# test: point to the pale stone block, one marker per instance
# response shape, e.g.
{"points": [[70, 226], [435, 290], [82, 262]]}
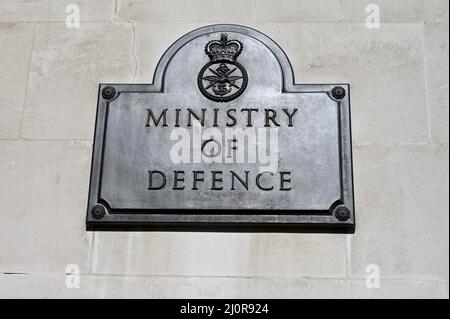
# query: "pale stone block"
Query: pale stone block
{"points": [[212, 287], [443, 290], [191, 10], [17, 40], [27, 286], [66, 69], [294, 288], [55, 10], [299, 11], [152, 40], [396, 289], [403, 11], [94, 286], [385, 69], [281, 11], [43, 191], [219, 254], [437, 11], [350, 10], [402, 209], [437, 74]]}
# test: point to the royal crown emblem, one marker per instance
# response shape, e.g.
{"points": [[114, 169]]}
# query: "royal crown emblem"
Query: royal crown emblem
{"points": [[223, 79]]}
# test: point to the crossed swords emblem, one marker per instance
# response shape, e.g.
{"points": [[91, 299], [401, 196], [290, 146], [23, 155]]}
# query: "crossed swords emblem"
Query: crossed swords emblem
{"points": [[222, 76]]}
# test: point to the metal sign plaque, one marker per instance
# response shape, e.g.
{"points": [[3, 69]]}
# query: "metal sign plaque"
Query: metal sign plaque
{"points": [[222, 136]]}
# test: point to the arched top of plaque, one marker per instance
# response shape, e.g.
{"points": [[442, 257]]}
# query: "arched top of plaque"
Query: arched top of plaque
{"points": [[207, 54]]}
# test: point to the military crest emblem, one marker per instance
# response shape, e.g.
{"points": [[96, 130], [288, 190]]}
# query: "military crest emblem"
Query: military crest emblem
{"points": [[223, 78]]}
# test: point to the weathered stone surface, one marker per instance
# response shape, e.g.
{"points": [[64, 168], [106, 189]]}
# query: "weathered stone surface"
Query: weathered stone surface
{"points": [[437, 11], [384, 67], [437, 74], [64, 79], [403, 222], [29, 286], [54, 10], [398, 289], [14, 68], [43, 189], [218, 254], [443, 289], [152, 40], [215, 287], [94, 286], [415, 11], [282, 11], [192, 10]]}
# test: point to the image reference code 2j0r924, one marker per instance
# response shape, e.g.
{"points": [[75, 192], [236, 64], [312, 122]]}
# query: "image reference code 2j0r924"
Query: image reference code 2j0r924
{"points": [[228, 309]]}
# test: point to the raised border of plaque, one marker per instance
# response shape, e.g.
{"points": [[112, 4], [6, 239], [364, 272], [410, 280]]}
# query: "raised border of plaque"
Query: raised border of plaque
{"points": [[339, 215]]}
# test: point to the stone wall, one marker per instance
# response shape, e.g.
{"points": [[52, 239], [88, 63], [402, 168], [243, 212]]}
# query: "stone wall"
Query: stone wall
{"points": [[49, 76]]}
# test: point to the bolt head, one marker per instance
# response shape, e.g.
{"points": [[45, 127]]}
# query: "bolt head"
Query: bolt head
{"points": [[98, 212], [342, 213], [108, 92], [338, 92]]}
